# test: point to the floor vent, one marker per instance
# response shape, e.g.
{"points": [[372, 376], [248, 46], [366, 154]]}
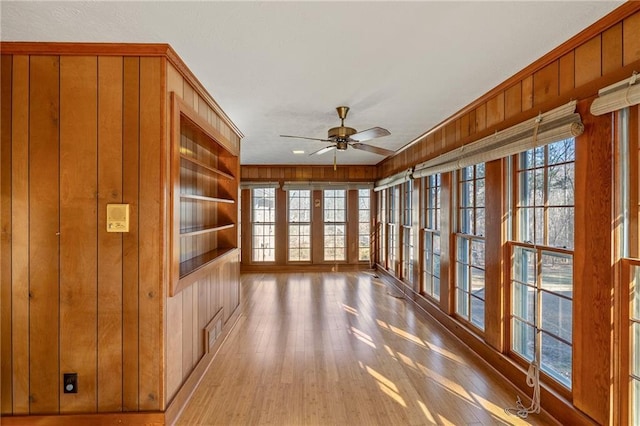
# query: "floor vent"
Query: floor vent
{"points": [[212, 331]]}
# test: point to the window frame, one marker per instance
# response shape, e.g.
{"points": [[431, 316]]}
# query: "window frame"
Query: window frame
{"points": [[431, 191], [271, 224], [467, 234], [366, 223], [299, 224], [335, 224]]}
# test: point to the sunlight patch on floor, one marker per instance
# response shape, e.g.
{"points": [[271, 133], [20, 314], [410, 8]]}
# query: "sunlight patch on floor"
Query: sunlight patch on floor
{"points": [[405, 335], [426, 412], [350, 310], [445, 353], [363, 337]]}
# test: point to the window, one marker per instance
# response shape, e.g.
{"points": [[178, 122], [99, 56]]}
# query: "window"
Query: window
{"points": [[263, 218], [335, 224], [470, 245], [542, 268], [382, 227], [364, 224], [407, 232], [394, 204], [299, 207], [431, 234]]}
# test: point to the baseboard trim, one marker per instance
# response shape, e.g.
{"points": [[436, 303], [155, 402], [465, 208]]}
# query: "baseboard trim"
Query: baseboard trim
{"points": [[97, 419]]}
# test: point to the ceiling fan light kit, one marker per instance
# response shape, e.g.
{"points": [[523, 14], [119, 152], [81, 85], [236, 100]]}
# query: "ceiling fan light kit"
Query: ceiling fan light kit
{"points": [[342, 137]]}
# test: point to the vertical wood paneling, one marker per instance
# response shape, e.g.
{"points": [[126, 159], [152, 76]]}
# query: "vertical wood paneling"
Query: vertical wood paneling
{"points": [[592, 266], [513, 100], [527, 93], [588, 61], [43, 234], [545, 84], [130, 272], [109, 244], [630, 40], [567, 72], [495, 110], [150, 304], [78, 227], [187, 332], [6, 402], [481, 117], [352, 226], [20, 337], [494, 216], [612, 49]]}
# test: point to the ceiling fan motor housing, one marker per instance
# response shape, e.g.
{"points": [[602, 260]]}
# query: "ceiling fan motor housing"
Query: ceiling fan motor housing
{"points": [[341, 133]]}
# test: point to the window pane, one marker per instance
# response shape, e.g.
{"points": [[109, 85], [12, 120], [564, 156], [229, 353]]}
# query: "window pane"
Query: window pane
{"points": [[561, 186], [462, 306], [477, 253], [561, 227], [522, 339], [557, 273], [462, 277], [524, 265], [523, 302], [463, 250], [562, 151], [556, 359], [556, 313], [635, 352], [477, 312]]}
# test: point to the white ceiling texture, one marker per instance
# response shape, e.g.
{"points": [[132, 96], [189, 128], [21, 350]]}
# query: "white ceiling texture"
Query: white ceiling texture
{"points": [[282, 67]]}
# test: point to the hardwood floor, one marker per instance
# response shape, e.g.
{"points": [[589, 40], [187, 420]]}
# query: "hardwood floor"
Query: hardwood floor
{"points": [[340, 349]]}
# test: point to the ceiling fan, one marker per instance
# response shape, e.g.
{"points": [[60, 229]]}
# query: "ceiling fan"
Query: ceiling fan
{"points": [[342, 137]]}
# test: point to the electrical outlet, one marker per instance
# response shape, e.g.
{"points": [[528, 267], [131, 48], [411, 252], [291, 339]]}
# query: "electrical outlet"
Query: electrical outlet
{"points": [[70, 383]]}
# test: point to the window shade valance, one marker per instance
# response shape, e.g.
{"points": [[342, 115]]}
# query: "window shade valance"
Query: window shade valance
{"points": [[393, 180], [319, 185], [620, 95], [251, 185], [555, 125]]}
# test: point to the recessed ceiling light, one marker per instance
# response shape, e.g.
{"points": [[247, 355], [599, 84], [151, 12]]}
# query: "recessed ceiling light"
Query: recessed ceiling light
{"points": [[297, 151]]}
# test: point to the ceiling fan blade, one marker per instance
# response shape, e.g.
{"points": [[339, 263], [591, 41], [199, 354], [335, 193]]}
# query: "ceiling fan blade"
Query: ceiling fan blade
{"points": [[365, 135], [323, 150], [371, 148], [303, 137]]}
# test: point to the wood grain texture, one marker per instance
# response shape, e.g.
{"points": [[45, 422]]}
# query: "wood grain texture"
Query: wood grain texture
{"points": [[567, 74], [495, 213], [6, 391], [123, 419], [44, 227], [78, 228], [545, 83], [110, 262], [612, 49], [446, 230], [150, 302], [495, 110], [361, 358], [588, 61], [630, 39], [592, 267], [512, 101], [130, 240], [20, 235]]}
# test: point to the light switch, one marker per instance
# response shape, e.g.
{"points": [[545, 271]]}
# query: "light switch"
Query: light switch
{"points": [[117, 217]]}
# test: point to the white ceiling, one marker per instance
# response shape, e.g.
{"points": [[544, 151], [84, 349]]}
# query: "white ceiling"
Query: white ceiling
{"points": [[282, 67]]}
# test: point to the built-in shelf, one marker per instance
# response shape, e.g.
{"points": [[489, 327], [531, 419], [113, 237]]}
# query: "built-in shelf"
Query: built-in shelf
{"points": [[203, 198], [199, 230], [205, 174], [198, 166], [195, 263]]}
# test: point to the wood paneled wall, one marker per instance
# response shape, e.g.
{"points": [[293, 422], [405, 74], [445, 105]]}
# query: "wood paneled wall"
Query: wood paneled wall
{"points": [[81, 299], [81, 130], [190, 310], [601, 55], [277, 173]]}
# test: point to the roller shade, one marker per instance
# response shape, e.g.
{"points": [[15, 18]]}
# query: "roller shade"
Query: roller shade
{"points": [[555, 125], [620, 95], [319, 185], [251, 185], [393, 180]]}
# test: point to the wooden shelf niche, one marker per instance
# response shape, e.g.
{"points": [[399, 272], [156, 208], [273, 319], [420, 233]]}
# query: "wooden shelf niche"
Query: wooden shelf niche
{"points": [[204, 168]]}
